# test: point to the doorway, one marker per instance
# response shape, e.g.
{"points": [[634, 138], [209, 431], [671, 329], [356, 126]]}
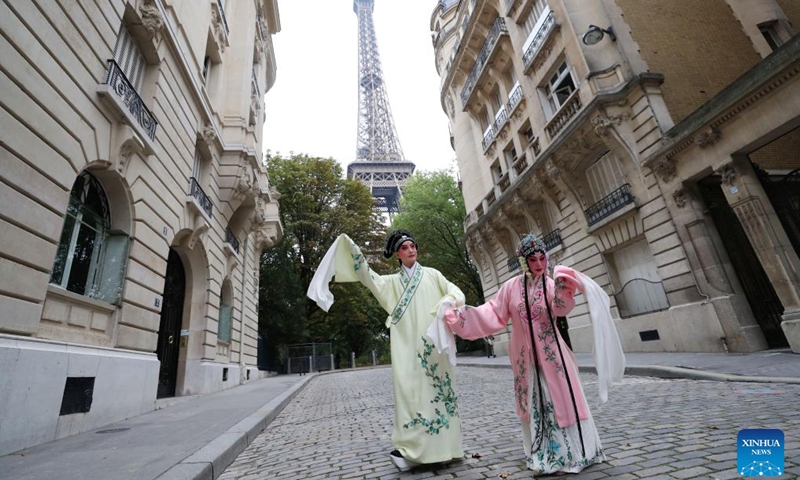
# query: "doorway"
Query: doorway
{"points": [[170, 326]]}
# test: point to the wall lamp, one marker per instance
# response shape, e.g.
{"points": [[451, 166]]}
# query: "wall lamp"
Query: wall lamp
{"points": [[595, 34]]}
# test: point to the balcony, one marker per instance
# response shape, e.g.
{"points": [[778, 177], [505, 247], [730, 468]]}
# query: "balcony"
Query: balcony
{"points": [[492, 39], [513, 264], [514, 99], [520, 164], [221, 6], [566, 113], [504, 182], [127, 99], [231, 240], [613, 202], [500, 118], [488, 138], [541, 31], [490, 198], [479, 210], [200, 199], [552, 239]]}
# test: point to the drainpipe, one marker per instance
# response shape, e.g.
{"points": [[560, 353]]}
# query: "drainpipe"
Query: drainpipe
{"points": [[242, 375]]}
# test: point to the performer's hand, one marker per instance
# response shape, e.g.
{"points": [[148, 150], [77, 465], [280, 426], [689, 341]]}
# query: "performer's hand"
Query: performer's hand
{"points": [[566, 280]]}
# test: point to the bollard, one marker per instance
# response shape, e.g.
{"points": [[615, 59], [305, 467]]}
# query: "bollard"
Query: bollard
{"points": [[374, 359], [310, 364], [333, 367], [353, 359]]}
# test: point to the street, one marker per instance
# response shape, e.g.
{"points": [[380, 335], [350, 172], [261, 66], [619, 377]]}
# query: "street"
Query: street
{"points": [[340, 426]]}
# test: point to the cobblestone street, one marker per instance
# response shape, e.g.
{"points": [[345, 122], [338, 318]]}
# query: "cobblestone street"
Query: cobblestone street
{"points": [[340, 426]]}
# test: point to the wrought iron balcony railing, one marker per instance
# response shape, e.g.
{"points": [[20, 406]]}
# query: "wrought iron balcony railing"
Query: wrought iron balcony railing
{"points": [[539, 36], [122, 88], [612, 202], [552, 239], [221, 6], [500, 118], [514, 98], [198, 194], [488, 138], [640, 296], [567, 111], [513, 264], [498, 28], [231, 240]]}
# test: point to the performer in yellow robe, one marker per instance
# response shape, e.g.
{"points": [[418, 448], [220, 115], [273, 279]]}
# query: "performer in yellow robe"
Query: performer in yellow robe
{"points": [[427, 427]]}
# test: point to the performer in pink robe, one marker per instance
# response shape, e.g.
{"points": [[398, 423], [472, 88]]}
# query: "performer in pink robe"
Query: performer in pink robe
{"points": [[547, 387]]}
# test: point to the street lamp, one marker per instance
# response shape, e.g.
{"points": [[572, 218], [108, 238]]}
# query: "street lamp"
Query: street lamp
{"points": [[595, 34]]}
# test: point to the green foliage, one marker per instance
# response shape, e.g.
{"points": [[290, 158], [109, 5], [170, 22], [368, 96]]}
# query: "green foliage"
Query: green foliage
{"points": [[432, 208], [317, 205]]}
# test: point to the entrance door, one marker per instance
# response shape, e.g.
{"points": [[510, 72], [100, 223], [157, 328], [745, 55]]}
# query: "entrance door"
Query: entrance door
{"points": [[763, 300], [169, 331], [784, 195]]}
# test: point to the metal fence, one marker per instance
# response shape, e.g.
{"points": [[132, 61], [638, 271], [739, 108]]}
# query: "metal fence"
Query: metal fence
{"points": [[309, 357]]}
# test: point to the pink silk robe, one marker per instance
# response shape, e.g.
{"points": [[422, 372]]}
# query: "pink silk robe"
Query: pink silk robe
{"points": [[476, 322]]}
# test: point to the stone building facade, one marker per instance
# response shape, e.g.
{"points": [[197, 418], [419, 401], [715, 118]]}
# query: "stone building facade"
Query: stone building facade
{"points": [[135, 204], [654, 147]]}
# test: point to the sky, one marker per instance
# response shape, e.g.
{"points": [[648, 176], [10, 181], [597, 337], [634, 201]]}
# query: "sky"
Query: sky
{"points": [[313, 106]]}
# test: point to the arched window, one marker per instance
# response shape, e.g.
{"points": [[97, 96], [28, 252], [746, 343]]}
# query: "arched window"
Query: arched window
{"points": [[91, 258], [225, 313]]}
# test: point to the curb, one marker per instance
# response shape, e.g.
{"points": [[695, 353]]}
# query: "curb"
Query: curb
{"points": [[662, 371], [211, 460]]}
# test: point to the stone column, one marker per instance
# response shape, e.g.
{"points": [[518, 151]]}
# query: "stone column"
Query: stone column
{"points": [[749, 201]]}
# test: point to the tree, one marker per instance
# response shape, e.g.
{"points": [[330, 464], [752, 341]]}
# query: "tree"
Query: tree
{"points": [[317, 205], [432, 208]]}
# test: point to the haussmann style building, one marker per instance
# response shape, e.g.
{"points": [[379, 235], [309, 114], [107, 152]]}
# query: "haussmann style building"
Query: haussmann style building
{"points": [[653, 144], [134, 206]]}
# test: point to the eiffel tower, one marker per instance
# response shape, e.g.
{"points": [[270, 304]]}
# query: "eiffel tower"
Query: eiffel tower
{"points": [[379, 163]]}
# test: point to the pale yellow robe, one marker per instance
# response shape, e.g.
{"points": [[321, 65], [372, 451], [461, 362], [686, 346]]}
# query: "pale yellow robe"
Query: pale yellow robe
{"points": [[427, 426]]}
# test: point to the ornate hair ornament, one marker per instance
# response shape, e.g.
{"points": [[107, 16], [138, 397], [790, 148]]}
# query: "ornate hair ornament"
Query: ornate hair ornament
{"points": [[395, 240], [529, 244]]}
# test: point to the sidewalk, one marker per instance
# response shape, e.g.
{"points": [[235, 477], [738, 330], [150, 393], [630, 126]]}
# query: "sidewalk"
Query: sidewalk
{"points": [[196, 438], [185, 438], [769, 366]]}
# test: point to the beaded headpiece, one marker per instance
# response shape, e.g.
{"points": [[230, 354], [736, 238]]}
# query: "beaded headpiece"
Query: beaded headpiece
{"points": [[530, 244], [395, 240]]}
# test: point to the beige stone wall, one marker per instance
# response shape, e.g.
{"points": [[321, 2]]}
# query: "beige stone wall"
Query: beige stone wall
{"points": [[698, 57], [59, 119], [791, 9]]}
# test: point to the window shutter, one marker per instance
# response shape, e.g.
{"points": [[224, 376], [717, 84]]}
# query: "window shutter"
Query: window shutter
{"points": [[112, 272], [130, 58], [604, 176], [636, 262], [224, 329]]}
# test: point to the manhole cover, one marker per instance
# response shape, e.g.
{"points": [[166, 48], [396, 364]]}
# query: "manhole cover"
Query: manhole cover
{"points": [[113, 430]]}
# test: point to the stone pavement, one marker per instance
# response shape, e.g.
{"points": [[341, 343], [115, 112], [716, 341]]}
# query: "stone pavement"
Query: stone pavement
{"points": [[769, 366], [340, 426], [349, 416]]}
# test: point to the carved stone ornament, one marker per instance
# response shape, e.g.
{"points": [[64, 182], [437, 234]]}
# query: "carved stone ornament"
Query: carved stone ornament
{"points": [[151, 18], [490, 151], [707, 138], [208, 135], [274, 194], [258, 52], [728, 174], [665, 168], [503, 134], [553, 171], [680, 196], [448, 105], [219, 29], [602, 123], [489, 234], [125, 153]]}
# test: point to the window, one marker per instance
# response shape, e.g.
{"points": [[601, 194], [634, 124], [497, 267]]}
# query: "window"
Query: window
{"points": [[604, 176], [533, 15], [497, 172], [639, 287], [206, 68], [130, 58], [510, 155], [90, 258], [225, 313], [559, 88], [770, 35]]}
